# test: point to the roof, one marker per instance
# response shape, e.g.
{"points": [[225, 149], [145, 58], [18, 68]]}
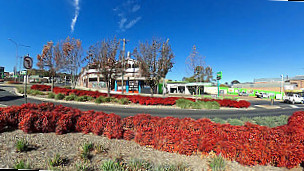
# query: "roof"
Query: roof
{"points": [[198, 84], [298, 77]]}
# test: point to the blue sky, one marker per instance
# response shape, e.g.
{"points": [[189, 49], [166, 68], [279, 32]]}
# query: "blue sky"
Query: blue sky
{"points": [[245, 39]]}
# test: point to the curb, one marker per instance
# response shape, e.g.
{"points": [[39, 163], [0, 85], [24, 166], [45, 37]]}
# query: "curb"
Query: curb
{"points": [[125, 106]]}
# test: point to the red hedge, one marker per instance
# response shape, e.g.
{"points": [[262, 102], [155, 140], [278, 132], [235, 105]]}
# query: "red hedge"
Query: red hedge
{"points": [[142, 100], [251, 144]]}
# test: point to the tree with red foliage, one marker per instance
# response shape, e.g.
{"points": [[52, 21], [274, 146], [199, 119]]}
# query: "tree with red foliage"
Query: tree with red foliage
{"points": [[104, 56], [155, 61], [71, 51], [50, 58]]}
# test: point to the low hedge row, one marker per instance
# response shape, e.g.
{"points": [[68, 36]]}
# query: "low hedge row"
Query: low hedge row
{"points": [[143, 100], [251, 144]]}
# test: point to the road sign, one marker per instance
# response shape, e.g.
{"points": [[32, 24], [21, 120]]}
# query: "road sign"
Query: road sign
{"points": [[219, 75], [27, 62], [23, 72]]}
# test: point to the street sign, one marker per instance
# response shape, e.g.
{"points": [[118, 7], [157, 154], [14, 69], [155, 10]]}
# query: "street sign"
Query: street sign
{"points": [[23, 72], [27, 62], [219, 75]]}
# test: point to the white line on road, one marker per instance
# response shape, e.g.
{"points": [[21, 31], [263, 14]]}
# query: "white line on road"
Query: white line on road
{"points": [[294, 106], [3, 105]]}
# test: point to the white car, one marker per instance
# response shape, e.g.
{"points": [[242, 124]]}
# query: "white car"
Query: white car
{"points": [[294, 98], [264, 95]]}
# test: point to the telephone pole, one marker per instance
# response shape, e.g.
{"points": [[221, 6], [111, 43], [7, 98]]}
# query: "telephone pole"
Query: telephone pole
{"points": [[16, 66], [124, 41]]}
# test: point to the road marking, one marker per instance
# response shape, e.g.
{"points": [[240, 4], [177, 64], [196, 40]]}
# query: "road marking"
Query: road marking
{"points": [[294, 106], [268, 106], [3, 105]]}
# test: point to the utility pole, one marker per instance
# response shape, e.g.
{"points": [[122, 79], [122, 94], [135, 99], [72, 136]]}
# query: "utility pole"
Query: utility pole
{"points": [[123, 63], [164, 76], [16, 67], [281, 88]]}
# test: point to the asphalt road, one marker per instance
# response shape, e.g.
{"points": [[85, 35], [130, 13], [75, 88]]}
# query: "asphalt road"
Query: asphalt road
{"points": [[8, 97]]}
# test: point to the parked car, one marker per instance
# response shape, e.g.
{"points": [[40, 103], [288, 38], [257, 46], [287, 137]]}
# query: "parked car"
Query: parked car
{"points": [[243, 93], [262, 95], [293, 98]]}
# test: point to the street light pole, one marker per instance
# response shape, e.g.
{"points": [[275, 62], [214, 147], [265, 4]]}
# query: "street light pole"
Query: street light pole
{"points": [[15, 71], [281, 89], [16, 66]]}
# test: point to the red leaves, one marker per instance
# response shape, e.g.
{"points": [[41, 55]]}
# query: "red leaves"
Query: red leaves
{"points": [[41, 87], [251, 144], [142, 100]]}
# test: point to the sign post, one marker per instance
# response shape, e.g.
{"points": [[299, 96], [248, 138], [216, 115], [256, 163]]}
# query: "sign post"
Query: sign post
{"points": [[218, 77], [27, 64]]}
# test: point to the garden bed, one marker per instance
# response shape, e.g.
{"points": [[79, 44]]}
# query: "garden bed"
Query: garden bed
{"points": [[137, 99], [250, 144]]}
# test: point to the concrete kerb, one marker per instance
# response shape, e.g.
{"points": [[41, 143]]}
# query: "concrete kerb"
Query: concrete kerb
{"points": [[124, 106]]}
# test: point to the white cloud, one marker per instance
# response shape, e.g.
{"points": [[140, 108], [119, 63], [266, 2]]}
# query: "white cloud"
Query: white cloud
{"points": [[127, 15], [74, 20], [132, 23], [135, 8], [122, 23]]}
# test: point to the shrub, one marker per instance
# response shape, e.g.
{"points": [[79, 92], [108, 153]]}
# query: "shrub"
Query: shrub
{"points": [[211, 105], [99, 148], [235, 122], [51, 95], [13, 82], [89, 98], [271, 121], [41, 87], [35, 92], [22, 165], [59, 96], [86, 148], [21, 145], [100, 99], [108, 99], [197, 105], [55, 161], [137, 164], [81, 98], [111, 165], [70, 97], [184, 103], [83, 166], [218, 120], [245, 119], [20, 90], [123, 101], [177, 167], [217, 163]]}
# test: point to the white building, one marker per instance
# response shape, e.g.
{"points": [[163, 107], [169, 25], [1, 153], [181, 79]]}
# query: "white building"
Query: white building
{"points": [[90, 77]]}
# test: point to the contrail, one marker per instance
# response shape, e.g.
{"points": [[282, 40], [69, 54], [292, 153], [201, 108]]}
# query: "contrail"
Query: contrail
{"points": [[77, 8]]}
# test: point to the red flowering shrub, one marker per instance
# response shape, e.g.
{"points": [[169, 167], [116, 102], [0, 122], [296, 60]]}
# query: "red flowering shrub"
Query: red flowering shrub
{"points": [[41, 87], [28, 121], [128, 135], [251, 144], [98, 123], [113, 127], [65, 124], [84, 122], [142, 100]]}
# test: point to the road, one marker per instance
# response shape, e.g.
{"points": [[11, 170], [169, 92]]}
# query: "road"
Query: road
{"points": [[8, 98]]}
